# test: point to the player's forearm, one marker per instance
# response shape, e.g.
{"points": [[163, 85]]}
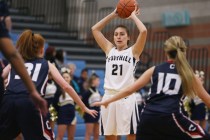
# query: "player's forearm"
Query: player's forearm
{"points": [[119, 96], [8, 22], [102, 23], [139, 24], [75, 96]]}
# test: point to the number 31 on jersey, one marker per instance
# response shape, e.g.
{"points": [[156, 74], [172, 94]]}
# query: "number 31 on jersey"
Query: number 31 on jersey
{"points": [[33, 71]]}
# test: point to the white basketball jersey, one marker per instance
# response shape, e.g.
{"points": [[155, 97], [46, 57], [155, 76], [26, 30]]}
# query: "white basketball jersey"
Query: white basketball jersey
{"points": [[119, 69]]}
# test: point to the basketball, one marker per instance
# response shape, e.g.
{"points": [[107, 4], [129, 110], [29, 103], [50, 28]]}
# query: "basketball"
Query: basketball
{"points": [[125, 8]]}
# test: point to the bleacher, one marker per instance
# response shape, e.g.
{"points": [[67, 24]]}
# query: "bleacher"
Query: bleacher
{"points": [[80, 64], [75, 49]]}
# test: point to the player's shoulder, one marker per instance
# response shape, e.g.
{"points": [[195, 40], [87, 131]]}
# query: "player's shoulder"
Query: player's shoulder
{"points": [[162, 67], [166, 68]]}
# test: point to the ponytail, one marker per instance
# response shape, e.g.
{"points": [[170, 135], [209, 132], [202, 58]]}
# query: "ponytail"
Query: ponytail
{"points": [[29, 44], [176, 44]]}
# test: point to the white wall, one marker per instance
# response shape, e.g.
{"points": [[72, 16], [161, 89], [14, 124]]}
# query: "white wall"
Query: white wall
{"points": [[151, 10]]}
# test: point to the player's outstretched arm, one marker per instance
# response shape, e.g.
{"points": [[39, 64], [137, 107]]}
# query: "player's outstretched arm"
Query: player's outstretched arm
{"points": [[141, 82], [201, 92]]}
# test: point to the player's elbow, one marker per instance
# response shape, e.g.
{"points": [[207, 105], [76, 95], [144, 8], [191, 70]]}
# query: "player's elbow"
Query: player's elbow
{"points": [[206, 101], [144, 31], [93, 28]]}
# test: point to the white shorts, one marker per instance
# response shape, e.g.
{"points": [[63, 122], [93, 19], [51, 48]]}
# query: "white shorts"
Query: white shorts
{"points": [[120, 117]]}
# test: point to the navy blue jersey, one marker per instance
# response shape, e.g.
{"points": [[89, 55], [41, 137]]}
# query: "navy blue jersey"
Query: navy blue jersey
{"points": [[4, 9], [38, 70], [166, 90], [3, 30]]}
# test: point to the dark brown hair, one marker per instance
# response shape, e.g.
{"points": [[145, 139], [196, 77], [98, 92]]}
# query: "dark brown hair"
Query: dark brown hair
{"points": [[124, 27]]}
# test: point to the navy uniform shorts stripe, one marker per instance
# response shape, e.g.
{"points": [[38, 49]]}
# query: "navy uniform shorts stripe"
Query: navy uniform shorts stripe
{"points": [[169, 127]]}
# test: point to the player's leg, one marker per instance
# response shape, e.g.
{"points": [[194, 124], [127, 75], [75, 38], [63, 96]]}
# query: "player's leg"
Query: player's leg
{"points": [[188, 129], [19, 137], [110, 137], [108, 118], [118, 137], [89, 130], [131, 137], [127, 117], [9, 128], [71, 129], [61, 131], [96, 131], [203, 124], [31, 122]]}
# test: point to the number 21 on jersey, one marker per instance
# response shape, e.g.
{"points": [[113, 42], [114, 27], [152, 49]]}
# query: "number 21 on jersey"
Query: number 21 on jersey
{"points": [[117, 69]]}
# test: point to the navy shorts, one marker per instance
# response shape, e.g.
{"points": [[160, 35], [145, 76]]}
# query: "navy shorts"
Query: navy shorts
{"points": [[169, 127], [198, 112], [19, 114], [66, 114], [89, 119]]}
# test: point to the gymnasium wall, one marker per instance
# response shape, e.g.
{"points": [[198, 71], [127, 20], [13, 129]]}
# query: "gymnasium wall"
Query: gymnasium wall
{"points": [[199, 10], [78, 16], [197, 33]]}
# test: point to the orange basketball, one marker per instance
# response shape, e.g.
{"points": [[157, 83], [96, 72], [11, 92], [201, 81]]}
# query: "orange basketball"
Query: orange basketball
{"points": [[125, 8]]}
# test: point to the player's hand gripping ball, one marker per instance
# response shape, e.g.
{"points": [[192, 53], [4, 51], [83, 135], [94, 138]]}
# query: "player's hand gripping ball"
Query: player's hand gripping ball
{"points": [[125, 8]]}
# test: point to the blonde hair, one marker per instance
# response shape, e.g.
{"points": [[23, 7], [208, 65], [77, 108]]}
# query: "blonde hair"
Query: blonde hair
{"points": [[29, 44], [176, 49]]}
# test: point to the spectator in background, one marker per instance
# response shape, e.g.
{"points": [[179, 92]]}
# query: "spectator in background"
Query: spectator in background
{"points": [[89, 97], [72, 68], [142, 94], [83, 86], [74, 78], [198, 108], [59, 59], [5, 15], [51, 89], [50, 54], [66, 115], [82, 81]]}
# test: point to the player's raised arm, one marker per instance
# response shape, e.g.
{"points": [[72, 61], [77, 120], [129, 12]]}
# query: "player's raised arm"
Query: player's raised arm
{"points": [[138, 46], [103, 43]]}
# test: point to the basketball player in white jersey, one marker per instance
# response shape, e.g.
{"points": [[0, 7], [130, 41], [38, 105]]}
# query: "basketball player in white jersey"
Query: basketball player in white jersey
{"points": [[120, 117]]}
